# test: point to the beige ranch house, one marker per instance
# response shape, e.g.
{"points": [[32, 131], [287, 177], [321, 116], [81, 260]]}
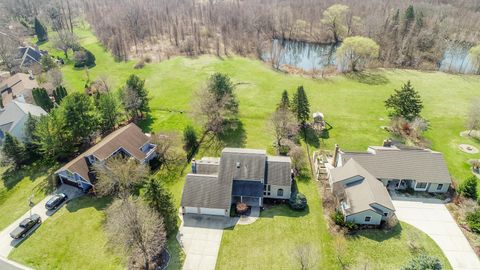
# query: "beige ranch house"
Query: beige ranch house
{"points": [[239, 175], [360, 180]]}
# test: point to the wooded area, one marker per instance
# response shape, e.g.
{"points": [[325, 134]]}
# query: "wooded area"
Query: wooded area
{"points": [[413, 36]]}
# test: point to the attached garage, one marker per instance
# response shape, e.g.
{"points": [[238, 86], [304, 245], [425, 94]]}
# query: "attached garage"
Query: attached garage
{"points": [[204, 211]]}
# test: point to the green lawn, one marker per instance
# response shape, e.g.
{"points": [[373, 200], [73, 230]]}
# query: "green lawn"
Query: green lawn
{"points": [[73, 238], [275, 237], [17, 186], [374, 249], [353, 105]]}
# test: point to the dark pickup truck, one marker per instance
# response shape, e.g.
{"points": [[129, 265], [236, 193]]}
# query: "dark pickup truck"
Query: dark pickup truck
{"points": [[25, 226]]}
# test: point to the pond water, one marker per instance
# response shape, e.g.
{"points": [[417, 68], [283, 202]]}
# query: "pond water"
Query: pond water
{"points": [[303, 55], [456, 59], [316, 56]]}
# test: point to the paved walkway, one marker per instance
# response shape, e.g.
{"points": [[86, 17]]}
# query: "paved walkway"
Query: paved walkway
{"points": [[432, 217], [7, 243]]}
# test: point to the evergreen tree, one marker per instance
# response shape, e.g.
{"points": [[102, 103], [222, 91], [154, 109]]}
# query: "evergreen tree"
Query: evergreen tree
{"points": [[221, 86], [301, 106], [30, 126], [80, 115], [409, 14], [161, 200], [190, 141], [40, 31], [285, 101], [14, 150], [108, 108], [135, 97], [59, 93], [405, 102], [469, 188], [42, 99], [53, 138], [47, 63]]}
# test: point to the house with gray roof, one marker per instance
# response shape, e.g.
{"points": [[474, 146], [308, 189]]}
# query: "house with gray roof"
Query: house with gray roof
{"points": [[393, 167], [239, 175], [14, 117], [28, 55]]}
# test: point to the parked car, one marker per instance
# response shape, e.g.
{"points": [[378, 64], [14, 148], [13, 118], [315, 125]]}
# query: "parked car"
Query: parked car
{"points": [[56, 201], [25, 226]]}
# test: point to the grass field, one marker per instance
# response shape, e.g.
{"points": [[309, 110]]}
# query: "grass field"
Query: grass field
{"points": [[17, 186], [374, 249], [352, 104]]}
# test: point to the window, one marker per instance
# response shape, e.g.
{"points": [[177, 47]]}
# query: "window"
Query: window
{"points": [[367, 219], [421, 185], [440, 187], [385, 214], [280, 192]]}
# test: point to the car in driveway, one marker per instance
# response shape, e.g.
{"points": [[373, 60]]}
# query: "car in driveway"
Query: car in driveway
{"points": [[25, 226], [56, 201]]}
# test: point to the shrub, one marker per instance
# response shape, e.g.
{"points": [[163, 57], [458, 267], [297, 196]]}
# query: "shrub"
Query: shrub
{"points": [[473, 220], [468, 188], [338, 218], [297, 201], [423, 262], [241, 208], [350, 225], [84, 58]]}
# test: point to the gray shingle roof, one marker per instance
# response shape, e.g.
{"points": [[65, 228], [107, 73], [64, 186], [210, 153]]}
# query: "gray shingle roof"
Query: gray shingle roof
{"points": [[235, 164], [278, 171], [207, 165], [422, 165], [201, 190], [364, 191], [247, 188]]}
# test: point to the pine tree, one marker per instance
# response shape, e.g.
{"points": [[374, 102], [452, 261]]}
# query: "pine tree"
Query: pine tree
{"points": [[59, 93], [40, 95], [285, 101], [109, 110], [190, 141], [161, 200], [135, 96], [40, 31], [14, 150], [80, 115], [301, 106], [405, 102], [30, 126]]}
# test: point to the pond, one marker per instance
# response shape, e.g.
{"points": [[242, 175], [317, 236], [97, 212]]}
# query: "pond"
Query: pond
{"points": [[303, 55], [316, 56], [456, 59]]}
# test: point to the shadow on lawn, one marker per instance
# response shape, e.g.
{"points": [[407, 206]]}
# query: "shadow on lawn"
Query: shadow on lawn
{"points": [[147, 122], [275, 210], [367, 78], [379, 235], [99, 204], [235, 136], [12, 176]]}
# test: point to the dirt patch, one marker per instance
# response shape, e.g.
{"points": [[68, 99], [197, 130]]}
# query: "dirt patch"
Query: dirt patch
{"points": [[470, 133], [467, 148]]}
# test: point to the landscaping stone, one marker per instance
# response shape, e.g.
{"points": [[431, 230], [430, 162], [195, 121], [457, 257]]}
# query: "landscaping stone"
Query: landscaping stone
{"points": [[467, 148]]}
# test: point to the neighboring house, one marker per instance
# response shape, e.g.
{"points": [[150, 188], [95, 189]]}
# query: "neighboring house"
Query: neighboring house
{"points": [[128, 141], [29, 55], [394, 168], [361, 197], [14, 116], [18, 87], [239, 175]]}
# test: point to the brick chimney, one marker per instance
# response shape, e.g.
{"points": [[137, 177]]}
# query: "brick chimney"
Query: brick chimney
{"points": [[335, 155], [194, 166]]}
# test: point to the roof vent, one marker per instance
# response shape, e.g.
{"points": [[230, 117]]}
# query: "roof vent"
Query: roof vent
{"points": [[387, 143]]}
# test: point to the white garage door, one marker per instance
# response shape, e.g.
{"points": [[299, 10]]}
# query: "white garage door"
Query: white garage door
{"points": [[212, 211], [191, 210]]}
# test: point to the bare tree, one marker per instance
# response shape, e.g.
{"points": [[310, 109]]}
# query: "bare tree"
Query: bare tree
{"points": [[132, 226], [8, 53], [66, 40], [118, 176], [167, 145], [55, 77], [298, 156], [285, 126], [473, 121], [306, 255]]}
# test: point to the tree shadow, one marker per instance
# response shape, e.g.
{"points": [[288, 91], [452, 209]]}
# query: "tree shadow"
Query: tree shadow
{"points": [[276, 210], [379, 235], [367, 78], [146, 123], [312, 137], [235, 135], [12, 176], [99, 204]]}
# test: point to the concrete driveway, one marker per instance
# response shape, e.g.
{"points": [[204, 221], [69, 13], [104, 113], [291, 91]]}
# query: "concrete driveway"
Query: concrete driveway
{"points": [[432, 217], [200, 237], [7, 243]]}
